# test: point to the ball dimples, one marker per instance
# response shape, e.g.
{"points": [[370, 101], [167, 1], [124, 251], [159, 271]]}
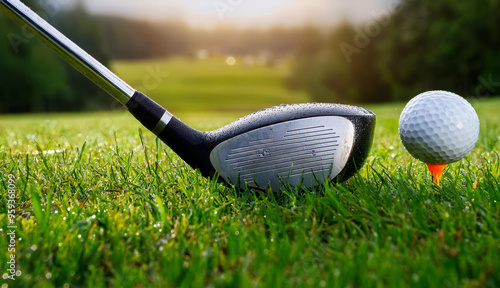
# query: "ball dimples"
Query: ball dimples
{"points": [[439, 127]]}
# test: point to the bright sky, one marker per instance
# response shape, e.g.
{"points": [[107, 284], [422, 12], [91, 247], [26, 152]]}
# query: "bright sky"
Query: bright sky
{"points": [[245, 12]]}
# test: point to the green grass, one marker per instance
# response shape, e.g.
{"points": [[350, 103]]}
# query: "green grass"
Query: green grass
{"points": [[99, 203], [209, 85]]}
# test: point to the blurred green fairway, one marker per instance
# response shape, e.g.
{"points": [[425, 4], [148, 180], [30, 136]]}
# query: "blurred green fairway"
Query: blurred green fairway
{"points": [[101, 203], [194, 85]]}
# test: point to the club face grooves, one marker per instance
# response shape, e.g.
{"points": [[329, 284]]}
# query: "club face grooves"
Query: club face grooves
{"points": [[303, 152]]}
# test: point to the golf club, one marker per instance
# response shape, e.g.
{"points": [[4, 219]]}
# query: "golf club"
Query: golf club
{"points": [[297, 145]]}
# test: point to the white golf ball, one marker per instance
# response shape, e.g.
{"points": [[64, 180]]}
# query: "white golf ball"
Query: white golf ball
{"points": [[439, 127]]}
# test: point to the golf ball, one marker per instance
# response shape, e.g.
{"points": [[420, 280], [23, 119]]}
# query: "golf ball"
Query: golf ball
{"points": [[439, 127]]}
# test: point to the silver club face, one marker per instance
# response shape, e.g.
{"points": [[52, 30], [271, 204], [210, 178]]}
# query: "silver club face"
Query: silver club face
{"points": [[303, 152]]}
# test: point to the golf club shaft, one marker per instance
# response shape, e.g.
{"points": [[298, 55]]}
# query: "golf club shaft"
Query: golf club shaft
{"points": [[68, 50]]}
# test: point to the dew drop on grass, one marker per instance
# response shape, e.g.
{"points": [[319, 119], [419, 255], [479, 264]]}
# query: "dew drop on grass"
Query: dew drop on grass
{"points": [[33, 248], [48, 275], [79, 236], [336, 273]]}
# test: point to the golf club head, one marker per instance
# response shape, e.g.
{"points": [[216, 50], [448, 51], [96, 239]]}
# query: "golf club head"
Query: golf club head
{"points": [[296, 145], [290, 145]]}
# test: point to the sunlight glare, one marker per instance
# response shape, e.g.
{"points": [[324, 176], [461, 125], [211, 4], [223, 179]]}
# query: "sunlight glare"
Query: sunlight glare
{"points": [[239, 8], [230, 61]]}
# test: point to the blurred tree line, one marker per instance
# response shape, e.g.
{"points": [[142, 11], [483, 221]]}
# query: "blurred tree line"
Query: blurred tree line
{"points": [[410, 48], [34, 79], [416, 46]]}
